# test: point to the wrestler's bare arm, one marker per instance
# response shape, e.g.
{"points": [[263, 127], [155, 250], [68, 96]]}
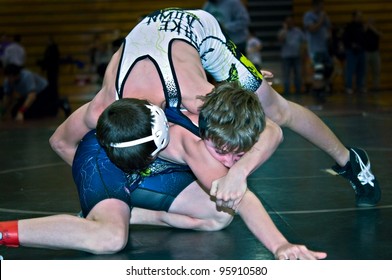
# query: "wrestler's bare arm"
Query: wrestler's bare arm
{"points": [[261, 225], [232, 187], [251, 210], [67, 136], [185, 148], [65, 139]]}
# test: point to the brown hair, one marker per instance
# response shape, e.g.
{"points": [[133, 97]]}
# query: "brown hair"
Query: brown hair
{"points": [[231, 117]]}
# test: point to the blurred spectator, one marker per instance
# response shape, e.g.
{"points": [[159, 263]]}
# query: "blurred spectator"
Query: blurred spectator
{"points": [[292, 41], [100, 54], [337, 49], [27, 95], [354, 43], [15, 53], [50, 64], [372, 48], [338, 54], [253, 48], [317, 27], [4, 42], [233, 18]]}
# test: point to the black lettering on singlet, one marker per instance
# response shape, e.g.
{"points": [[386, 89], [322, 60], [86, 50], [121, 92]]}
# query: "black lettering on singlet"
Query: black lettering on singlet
{"points": [[175, 21]]}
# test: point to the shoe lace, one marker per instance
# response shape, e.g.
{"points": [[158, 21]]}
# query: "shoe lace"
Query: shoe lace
{"points": [[365, 176]]}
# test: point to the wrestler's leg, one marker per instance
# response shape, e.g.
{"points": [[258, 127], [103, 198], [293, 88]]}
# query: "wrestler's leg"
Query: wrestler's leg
{"points": [[302, 121], [353, 164], [104, 231], [192, 209]]}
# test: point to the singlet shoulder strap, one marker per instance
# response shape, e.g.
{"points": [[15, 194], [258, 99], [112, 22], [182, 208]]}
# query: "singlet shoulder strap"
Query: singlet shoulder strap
{"points": [[174, 115]]}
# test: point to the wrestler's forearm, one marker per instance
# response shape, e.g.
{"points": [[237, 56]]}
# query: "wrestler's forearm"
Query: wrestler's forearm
{"points": [[268, 142], [260, 223], [67, 136], [232, 186]]}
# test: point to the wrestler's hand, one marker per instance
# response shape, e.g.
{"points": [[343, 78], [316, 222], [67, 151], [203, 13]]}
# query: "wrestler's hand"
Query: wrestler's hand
{"points": [[290, 251], [229, 190], [267, 75]]}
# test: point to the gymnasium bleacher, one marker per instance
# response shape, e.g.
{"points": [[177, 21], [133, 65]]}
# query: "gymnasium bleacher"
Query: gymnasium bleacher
{"points": [[74, 23]]}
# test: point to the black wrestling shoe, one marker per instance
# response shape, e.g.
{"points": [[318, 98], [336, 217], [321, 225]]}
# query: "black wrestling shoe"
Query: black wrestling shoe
{"points": [[361, 178]]}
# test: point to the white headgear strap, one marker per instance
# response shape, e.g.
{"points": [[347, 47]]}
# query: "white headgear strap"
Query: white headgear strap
{"points": [[159, 132]]}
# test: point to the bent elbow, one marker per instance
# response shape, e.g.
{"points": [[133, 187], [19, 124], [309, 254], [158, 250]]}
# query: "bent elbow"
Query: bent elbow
{"points": [[277, 132], [280, 135], [60, 147], [55, 143], [52, 142]]}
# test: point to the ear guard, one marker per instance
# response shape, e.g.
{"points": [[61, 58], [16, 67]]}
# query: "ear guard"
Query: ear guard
{"points": [[159, 132]]}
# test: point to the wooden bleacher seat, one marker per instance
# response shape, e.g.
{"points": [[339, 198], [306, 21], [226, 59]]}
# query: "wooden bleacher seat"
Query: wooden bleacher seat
{"points": [[73, 24]]}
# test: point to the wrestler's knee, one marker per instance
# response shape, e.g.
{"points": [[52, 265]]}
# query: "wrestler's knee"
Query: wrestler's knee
{"points": [[280, 114], [219, 222]]}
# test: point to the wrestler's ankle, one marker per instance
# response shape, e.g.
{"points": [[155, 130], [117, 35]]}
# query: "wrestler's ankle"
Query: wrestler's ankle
{"points": [[344, 158]]}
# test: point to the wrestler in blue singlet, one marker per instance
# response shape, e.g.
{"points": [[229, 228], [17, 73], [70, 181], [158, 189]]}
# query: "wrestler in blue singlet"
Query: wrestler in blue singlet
{"points": [[96, 177]]}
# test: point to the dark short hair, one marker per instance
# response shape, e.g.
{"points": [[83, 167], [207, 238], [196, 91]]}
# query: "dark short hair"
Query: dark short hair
{"points": [[124, 120]]}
